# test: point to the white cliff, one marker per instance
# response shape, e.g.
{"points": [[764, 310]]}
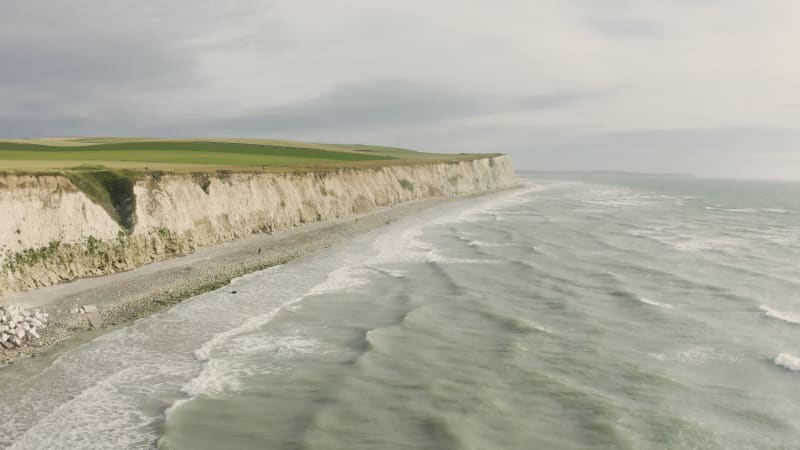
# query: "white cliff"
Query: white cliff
{"points": [[51, 232]]}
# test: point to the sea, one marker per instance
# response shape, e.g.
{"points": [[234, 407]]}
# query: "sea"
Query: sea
{"points": [[575, 312]]}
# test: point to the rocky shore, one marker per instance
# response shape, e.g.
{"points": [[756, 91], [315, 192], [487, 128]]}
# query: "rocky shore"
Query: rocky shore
{"points": [[19, 327], [124, 297]]}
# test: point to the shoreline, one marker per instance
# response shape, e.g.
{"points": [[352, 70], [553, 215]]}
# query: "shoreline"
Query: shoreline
{"points": [[125, 297]]}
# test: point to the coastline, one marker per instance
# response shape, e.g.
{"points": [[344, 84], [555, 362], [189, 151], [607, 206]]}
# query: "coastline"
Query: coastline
{"points": [[124, 297]]}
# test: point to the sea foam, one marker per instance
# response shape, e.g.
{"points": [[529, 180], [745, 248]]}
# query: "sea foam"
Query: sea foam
{"points": [[654, 303], [788, 361], [780, 315]]}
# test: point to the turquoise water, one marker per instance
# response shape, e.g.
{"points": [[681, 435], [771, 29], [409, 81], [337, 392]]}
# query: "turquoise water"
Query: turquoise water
{"points": [[602, 312]]}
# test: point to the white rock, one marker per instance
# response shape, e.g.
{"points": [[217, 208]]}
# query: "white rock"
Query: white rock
{"points": [[15, 340], [26, 326], [36, 323], [4, 337], [33, 333], [4, 328], [20, 333]]}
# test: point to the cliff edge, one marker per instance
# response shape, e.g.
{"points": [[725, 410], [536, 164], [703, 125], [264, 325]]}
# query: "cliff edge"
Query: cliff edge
{"points": [[53, 229]]}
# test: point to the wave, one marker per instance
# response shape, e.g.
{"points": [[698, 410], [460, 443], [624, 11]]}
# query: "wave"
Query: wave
{"points": [[394, 273], [694, 243], [405, 247], [219, 375], [738, 210], [488, 244], [435, 257], [697, 356], [750, 210], [223, 374], [784, 316], [339, 279], [204, 352], [492, 204], [788, 361], [102, 409], [654, 303]]}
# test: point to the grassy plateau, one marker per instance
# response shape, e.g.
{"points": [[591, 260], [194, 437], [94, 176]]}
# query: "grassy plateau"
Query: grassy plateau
{"points": [[207, 155]]}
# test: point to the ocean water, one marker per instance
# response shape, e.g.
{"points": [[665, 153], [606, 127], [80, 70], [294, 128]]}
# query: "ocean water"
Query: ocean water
{"points": [[595, 312]]}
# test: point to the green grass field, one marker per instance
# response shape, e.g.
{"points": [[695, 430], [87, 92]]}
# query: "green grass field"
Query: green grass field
{"points": [[46, 155]]}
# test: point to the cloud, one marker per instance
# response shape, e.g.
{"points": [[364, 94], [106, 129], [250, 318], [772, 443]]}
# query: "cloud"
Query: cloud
{"points": [[383, 104], [716, 152], [56, 48], [628, 27], [557, 78]]}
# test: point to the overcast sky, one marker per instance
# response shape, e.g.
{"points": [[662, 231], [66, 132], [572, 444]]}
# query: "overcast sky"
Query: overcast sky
{"points": [[709, 87]]}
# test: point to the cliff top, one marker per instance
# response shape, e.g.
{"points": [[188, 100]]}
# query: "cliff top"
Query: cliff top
{"points": [[200, 155]]}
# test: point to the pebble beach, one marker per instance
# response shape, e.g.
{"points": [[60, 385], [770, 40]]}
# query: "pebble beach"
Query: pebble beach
{"points": [[124, 297]]}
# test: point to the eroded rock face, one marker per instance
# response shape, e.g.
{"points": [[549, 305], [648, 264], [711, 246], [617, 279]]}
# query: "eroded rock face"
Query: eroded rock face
{"points": [[50, 232]]}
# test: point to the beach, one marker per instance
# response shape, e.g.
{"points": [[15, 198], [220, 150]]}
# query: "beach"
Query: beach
{"points": [[124, 297]]}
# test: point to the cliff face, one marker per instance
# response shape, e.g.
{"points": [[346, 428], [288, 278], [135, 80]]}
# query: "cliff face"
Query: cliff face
{"points": [[51, 232]]}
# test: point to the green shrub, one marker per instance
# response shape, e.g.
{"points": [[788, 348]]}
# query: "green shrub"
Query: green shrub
{"points": [[111, 189], [407, 185]]}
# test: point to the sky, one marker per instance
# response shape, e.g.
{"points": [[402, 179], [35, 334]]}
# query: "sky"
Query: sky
{"points": [[707, 87]]}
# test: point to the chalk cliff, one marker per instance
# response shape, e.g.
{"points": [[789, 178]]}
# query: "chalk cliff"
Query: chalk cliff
{"points": [[50, 231]]}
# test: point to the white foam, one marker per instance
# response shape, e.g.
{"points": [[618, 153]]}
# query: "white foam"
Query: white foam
{"points": [[103, 409], [224, 373], [777, 210], [489, 244], [492, 204], [784, 316], [339, 280], [175, 405], [697, 356], [750, 210], [204, 352], [691, 242], [217, 377], [401, 247], [788, 361], [700, 355], [610, 196], [434, 256], [394, 273], [654, 303]]}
